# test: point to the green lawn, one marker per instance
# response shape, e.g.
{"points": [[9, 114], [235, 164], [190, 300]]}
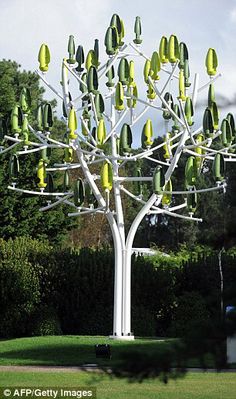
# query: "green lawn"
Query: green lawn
{"points": [[193, 386], [65, 350], [75, 351]]}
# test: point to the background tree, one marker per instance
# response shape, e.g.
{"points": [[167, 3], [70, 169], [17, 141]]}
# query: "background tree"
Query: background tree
{"points": [[17, 213]]}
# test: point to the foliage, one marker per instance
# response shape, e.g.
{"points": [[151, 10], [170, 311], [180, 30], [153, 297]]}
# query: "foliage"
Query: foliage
{"points": [[183, 255], [45, 322], [84, 291], [190, 306], [12, 81], [78, 286], [19, 214], [19, 286]]}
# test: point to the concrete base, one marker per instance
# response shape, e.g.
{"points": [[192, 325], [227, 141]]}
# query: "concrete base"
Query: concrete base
{"points": [[122, 337], [231, 349]]}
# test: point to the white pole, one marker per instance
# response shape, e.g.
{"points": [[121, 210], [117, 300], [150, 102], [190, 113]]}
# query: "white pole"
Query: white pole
{"points": [[128, 253], [119, 260], [195, 89], [117, 247]]}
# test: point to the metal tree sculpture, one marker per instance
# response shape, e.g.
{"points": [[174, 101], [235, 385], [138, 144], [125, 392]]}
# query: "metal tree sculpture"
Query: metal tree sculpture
{"points": [[105, 139]]}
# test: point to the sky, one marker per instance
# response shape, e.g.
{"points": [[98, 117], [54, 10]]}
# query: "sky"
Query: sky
{"points": [[25, 24]]}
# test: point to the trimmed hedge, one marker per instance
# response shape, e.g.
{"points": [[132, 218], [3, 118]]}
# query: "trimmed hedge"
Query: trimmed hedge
{"points": [[46, 290]]}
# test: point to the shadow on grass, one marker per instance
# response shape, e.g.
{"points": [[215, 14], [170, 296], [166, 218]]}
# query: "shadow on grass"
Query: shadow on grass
{"points": [[60, 355], [135, 362], [70, 354]]}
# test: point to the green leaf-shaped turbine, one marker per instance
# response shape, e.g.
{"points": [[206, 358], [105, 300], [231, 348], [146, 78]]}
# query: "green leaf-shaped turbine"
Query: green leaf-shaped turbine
{"points": [[191, 172], [226, 135], [119, 25], [110, 75], [25, 100], [208, 126], [183, 54], [50, 183], [169, 99], [99, 105], [163, 50], [158, 181], [230, 118], [14, 167], [188, 110], [147, 134], [218, 167], [47, 117], [173, 49], [92, 80], [119, 97], [44, 57], [101, 132], [16, 119], [125, 139], [211, 62], [107, 176], [79, 193], [111, 40], [41, 174], [80, 58], [123, 71], [71, 50], [137, 30], [192, 200]]}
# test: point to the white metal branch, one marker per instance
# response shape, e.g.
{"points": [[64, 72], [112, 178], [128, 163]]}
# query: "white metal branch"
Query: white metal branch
{"points": [[165, 102], [155, 208], [64, 167], [94, 108], [195, 89], [43, 193], [81, 213], [203, 190], [58, 142], [54, 204], [16, 140], [2, 151], [133, 178], [205, 86], [25, 151], [176, 215], [136, 119], [169, 73], [48, 84], [116, 125], [147, 103], [37, 135], [169, 78], [112, 61], [186, 123], [157, 161], [74, 74], [89, 134], [139, 52]]}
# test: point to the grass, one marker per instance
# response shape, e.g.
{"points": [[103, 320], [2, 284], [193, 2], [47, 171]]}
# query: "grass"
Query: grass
{"points": [[65, 350], [193, 386], [77, 350]]}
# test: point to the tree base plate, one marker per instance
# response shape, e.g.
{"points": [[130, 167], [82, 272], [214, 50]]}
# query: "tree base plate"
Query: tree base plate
{"points": [[122, 337]]}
